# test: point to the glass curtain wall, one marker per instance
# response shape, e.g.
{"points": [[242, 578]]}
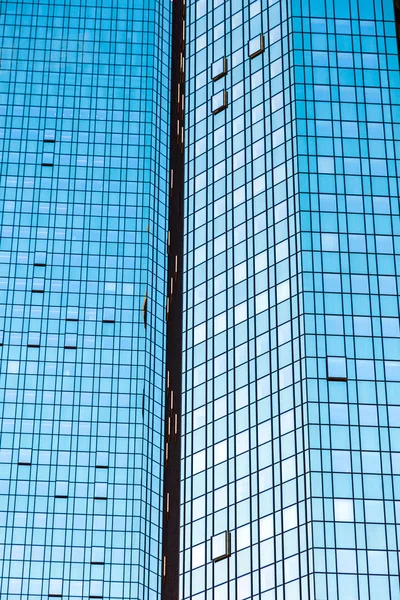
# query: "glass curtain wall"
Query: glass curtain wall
{"points": [[84, 118], [347, 91], [290, 476]]}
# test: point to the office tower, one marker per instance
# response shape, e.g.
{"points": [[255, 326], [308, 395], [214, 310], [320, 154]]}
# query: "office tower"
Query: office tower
{"points": [[291, 351], [263, 243], [84, 104]]}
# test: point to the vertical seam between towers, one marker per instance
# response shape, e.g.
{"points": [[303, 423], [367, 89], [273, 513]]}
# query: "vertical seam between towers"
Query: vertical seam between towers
{"points": [[174, 303]]}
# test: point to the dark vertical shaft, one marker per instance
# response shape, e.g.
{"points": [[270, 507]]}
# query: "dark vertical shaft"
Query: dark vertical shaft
{"points": [[170, 567]]}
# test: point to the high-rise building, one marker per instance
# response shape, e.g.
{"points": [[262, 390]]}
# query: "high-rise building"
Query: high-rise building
{"points": [[290, 480], [84, 105], [199, 300]]}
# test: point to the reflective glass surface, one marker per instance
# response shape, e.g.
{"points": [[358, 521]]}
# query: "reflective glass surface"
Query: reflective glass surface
{"points": [[292, 267], [84, 127]]}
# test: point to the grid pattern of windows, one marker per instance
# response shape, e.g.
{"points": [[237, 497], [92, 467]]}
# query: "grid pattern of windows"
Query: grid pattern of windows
{"points": [[291, 383], [242, 430], [84, 126], [347, 88]]}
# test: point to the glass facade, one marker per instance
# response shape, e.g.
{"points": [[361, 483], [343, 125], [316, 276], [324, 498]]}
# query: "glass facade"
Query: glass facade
{"points": [[84, 138], [290, 480], [288, 114]]}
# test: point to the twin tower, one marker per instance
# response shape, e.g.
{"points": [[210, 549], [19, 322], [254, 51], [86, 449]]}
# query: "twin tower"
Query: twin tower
{"points": [[199, 300]]}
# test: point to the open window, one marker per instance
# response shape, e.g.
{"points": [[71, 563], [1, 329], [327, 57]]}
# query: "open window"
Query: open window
{"points": [[55, 588], [256, 46], [72, 313], [61, 489], [219, 102], [97, 557], [102, 460], [108, 315], [100, 491], [96, 589], [49, 136], [220, 546], [38, 285], [39, 259], [33, 339], [48, 158], [71, 341], [219, 68], [144, 310], [25, 457], [336, 368]]}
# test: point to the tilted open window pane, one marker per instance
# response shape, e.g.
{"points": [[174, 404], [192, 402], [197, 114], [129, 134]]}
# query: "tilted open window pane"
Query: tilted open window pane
{"points": [[49, 135], [219, 68], [25, 456], [97, 555], [336, 368], [38, 284], [96, 589], [102, 459], [220, 546], [40, 259], [55, 587], [219, 101], [62, 489], [100, 491], [48, 158], [71, 340], [256, 46], [34, 338], [108, 314], [72, 313]]}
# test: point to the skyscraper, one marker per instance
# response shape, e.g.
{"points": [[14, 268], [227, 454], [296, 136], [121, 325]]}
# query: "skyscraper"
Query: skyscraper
{"points": [[199, 304], [84, 105], [290, 406]]}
